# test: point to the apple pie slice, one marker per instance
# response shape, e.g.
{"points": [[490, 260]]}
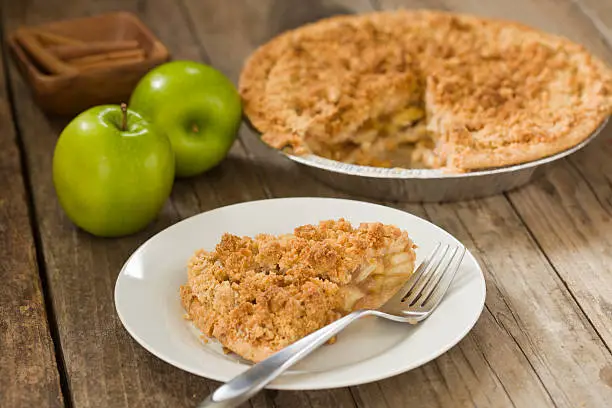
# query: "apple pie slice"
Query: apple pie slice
{"points": [[258, 295]]}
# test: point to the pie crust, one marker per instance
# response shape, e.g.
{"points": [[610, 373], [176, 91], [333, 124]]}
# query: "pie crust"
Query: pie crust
{"points": [[258, 295], [491, 93]]}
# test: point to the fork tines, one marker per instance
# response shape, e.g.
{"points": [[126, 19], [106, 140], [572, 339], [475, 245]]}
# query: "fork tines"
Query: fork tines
{"points": [[433, 277]]}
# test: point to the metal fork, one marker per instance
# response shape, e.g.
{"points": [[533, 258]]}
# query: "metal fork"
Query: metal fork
{"points": [[414, 302]]}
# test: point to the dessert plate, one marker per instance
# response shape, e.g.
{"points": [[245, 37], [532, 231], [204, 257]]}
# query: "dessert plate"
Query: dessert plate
{"points": [[148, 304]]}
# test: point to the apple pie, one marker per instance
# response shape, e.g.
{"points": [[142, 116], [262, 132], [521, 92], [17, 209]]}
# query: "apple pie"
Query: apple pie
{"points": [[258, 295], [424, 89]]}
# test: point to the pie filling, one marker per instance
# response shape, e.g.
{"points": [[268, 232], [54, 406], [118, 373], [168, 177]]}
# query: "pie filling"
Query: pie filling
{"points": [[258, 295], [376, 281], [397, 140]]}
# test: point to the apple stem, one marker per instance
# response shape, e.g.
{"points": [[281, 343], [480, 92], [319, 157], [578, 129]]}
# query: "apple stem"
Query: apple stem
{"points": [[195, 128], [124, 119]]}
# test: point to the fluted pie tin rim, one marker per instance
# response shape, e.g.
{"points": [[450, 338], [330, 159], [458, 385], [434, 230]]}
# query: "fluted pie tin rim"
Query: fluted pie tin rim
{"points": [[424, 185], [382, 172]]}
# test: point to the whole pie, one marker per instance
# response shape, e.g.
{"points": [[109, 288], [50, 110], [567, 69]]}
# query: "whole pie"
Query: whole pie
{"points": [[258, 295], [424, 89]]}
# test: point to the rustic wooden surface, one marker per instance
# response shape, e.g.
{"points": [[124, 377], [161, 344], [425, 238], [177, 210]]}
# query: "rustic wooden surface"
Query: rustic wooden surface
{"points": [[544, 338], [27, 357]]}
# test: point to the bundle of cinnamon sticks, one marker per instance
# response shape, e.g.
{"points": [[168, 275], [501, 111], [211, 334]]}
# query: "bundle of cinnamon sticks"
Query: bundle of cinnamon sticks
{"points": [[58, 54]]}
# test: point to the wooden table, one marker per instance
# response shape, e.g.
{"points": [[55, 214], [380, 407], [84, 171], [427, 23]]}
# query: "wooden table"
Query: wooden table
{"points": [[544, 338]]}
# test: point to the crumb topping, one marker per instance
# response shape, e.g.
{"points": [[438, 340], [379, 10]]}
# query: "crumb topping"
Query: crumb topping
{"points": [[495, 92], [257, 295]]}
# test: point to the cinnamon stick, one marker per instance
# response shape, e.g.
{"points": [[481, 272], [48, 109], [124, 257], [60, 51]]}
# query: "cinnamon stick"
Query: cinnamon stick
{"points": [[110, 56], [111, 63], [48, 37], [48, 61], [67, 52]]}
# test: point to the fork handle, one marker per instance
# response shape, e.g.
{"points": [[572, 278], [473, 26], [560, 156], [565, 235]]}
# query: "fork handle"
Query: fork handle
{"points": [[253, 380]]}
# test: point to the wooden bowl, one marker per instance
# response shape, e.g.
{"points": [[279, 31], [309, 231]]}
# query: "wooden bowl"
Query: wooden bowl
{"points": [[71, 93]]}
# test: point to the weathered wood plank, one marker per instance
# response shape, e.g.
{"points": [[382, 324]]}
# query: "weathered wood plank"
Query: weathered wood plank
{"points": [[28, 369], [531, 303], [489, 367], [570, 218]]}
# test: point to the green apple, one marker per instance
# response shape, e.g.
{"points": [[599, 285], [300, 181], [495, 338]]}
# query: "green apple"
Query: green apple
{"points": [[112, 170], [196, 106]]}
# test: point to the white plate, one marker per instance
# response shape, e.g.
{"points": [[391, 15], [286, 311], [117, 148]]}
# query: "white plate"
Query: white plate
{"points": [[147, 297]]}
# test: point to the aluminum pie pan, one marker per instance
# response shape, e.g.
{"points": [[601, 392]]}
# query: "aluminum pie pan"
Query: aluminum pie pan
{"points": [[425, 185]]}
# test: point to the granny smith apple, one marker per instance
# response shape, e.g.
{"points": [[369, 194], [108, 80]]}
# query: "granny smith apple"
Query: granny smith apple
{"points": [[112, 170], [196, 106]]}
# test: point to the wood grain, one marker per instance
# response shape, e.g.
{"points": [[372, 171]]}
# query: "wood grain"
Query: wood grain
{"points": [[27, 356], [531, 303]]}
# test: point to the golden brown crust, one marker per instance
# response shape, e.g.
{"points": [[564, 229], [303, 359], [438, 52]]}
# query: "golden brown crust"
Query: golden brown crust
{"points": [[496, 93], [258, 295]]}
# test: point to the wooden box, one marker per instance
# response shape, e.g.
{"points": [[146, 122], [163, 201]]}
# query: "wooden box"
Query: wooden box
{"points": [[72, 92]]}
